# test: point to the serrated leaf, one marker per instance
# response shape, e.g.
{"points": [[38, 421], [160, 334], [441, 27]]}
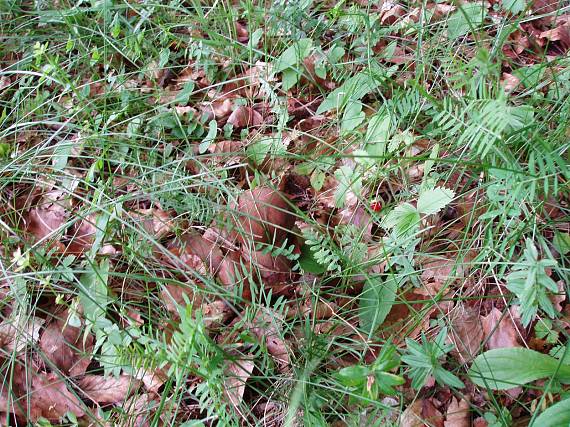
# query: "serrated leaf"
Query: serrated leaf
{"points": [[375, 302], [403, 219], [433, 200], [506, 368]]}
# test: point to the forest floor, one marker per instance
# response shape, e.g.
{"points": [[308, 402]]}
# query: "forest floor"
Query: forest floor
{"points": [[219, 213]]}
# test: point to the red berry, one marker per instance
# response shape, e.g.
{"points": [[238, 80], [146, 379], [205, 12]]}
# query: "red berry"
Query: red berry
{"points": [[376, 206]]}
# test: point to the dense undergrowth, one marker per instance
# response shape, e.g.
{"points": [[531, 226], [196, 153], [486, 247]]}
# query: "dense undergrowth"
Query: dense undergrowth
{"points": [[284, 213]]}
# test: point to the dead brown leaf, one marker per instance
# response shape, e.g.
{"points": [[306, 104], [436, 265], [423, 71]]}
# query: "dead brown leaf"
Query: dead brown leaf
{"points": [[438, 272], [50, 398], [270, 270], [82, 235], [17, 332], [4, 83], [218, 109], [237, 374], [500, 331], [109, 389], [156, 222], [466, 333], [457, 414], [510, 82], [244, 116], [264, 216], [421, 413], [141, 408], [241, 32], [267, 327], [66, 347], [49, 215], [216, 314]]}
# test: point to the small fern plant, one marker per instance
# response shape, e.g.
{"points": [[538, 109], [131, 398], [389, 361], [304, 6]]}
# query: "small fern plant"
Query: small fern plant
{"points": [[530, 282], [324, 250]]}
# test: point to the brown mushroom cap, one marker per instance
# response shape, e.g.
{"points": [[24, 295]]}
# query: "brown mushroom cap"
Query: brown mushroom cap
{"points": [[264, 216]]}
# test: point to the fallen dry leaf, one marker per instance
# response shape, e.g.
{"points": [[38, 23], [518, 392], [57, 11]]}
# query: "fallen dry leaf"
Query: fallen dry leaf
{"points": [[499, 330], [264, 216], [156, 222], [269, 269], [466, 333], [4, 82], [152, 380], [421, 413], [18, 332], [266, 327], [49, 215], [218, 109], [216, 314], [237, 374], [438, 272], [510, 82], [50, 398], [243, 117], [108, 389], [457, 414], [140, 408], [66, 347], [82, 235]]}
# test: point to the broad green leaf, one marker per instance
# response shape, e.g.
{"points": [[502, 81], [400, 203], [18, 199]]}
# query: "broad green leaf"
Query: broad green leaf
{"points": [[513, 6], [260, 149], [561, 242], [469, 16], [355, 88], [352, 117], [290, 78], [212, 132], [376, 301], [348, 180], [184, 95], [506, 368], [555, 416], [93, 292], [403, 219], [378, 133], [353, 376], [434, 200], [293, 55], [317, 179]]}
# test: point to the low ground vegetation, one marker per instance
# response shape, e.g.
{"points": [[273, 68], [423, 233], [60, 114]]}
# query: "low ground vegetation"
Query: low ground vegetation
{"points": [[284, 213]]}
